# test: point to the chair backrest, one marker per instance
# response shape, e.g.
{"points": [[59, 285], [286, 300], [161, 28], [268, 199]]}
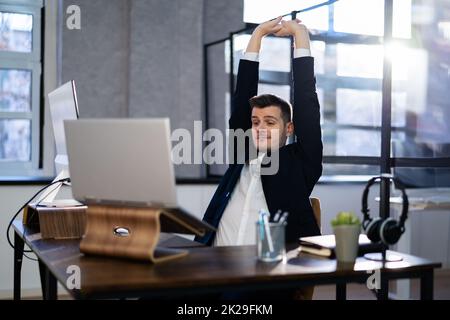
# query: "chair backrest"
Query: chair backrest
{"points": [[315, 204]]}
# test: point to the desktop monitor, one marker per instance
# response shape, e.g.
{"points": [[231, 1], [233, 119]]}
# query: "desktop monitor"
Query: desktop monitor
{"points": [[63, 106]]}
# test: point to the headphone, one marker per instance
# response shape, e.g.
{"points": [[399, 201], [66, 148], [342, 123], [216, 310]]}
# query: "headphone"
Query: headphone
{"points": [[389, 230]]}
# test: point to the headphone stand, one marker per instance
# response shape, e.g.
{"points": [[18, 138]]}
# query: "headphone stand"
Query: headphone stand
{"points": [[383, 256], [384, 230]]}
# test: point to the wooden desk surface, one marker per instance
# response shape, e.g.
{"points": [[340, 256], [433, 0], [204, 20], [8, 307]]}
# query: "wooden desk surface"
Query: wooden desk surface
{"points": [[203, 267]]}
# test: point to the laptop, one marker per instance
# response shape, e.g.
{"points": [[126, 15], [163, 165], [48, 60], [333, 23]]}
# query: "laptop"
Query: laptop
{"points": [[126, 162]]}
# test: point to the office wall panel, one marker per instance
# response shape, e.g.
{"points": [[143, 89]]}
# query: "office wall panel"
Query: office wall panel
{"points": [[96, 56], [144, 58], [166, 64]]}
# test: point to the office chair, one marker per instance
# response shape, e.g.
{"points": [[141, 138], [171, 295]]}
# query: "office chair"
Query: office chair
{"points": [[315, 204]]}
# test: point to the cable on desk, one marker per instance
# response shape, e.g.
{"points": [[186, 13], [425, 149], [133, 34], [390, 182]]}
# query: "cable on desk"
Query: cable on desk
{"points": [[23, 207]]}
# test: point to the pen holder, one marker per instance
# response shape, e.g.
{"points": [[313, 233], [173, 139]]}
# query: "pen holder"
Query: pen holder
{"points": [[270, 241]]}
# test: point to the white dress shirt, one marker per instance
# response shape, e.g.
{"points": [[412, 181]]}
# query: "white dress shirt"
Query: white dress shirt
{"points": [[238, 224]]}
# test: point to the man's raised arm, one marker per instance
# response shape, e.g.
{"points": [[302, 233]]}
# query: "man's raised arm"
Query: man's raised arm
{"points": [[306, 115], [247, 78]]}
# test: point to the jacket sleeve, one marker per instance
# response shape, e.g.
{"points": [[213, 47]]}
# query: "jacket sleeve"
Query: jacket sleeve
{"points": [[241, 149], [246, 88], [306, 118]]}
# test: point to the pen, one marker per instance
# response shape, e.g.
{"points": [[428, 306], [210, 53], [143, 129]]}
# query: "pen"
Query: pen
{"points": [[266, 226], [261, 225], [277, 216], [283, 218]]}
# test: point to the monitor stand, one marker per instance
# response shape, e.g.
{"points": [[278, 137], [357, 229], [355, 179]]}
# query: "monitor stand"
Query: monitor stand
{"points": [[47, 199]]}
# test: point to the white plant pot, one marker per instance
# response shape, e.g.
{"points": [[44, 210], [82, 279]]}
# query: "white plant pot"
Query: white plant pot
{"points": [[346, 242]]}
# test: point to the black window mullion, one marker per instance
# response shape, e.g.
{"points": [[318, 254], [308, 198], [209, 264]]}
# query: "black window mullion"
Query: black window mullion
{"points": [[385, 161]]}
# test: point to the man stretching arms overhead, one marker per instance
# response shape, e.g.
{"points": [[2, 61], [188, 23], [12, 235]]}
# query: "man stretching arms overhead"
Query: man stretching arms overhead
{"points": [[243, 190]]}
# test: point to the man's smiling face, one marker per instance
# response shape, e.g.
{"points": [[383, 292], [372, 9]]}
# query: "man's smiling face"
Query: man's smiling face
{"points": [[269, 130]]}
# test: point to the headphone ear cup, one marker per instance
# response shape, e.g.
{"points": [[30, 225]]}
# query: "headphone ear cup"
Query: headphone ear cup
{"points": [[372, 230], [390, 231]]}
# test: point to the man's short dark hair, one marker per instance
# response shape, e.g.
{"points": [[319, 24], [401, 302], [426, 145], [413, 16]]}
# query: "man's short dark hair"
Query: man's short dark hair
{"points": [[266, 100]]}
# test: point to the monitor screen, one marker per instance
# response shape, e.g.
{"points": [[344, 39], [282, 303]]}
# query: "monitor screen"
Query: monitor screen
{"points": [[63, 106]]}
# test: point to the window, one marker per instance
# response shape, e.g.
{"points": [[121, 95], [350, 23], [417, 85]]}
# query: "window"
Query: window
{"points": [[20, 81], [347, 45], [257, 11], [350, 51]]}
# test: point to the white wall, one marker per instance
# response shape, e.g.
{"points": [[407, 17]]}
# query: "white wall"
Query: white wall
{"points": [[429, 232]]}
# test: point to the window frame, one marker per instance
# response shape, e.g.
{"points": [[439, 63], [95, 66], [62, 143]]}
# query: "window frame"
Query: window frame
{"points": [[33, 62]]}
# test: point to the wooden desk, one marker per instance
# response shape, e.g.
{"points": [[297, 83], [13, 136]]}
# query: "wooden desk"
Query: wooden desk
{"points": [[203, 270]]}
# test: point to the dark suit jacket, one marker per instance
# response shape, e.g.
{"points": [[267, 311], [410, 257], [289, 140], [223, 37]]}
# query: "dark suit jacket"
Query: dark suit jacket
{"points": [[300, 163]]}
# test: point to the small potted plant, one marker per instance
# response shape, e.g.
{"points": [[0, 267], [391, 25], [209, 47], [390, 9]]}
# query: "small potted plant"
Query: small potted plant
{"points": [[346, 228]]}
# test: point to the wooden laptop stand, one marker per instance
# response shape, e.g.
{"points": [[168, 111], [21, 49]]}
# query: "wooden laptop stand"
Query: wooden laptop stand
{"points": [[133, 232]]}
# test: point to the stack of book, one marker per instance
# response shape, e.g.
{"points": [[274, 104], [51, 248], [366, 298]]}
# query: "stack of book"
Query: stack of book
{"points": [[324, 245]]}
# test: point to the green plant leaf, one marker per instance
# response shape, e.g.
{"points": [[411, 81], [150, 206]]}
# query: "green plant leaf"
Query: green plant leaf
{"points": [[345, 218]]}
